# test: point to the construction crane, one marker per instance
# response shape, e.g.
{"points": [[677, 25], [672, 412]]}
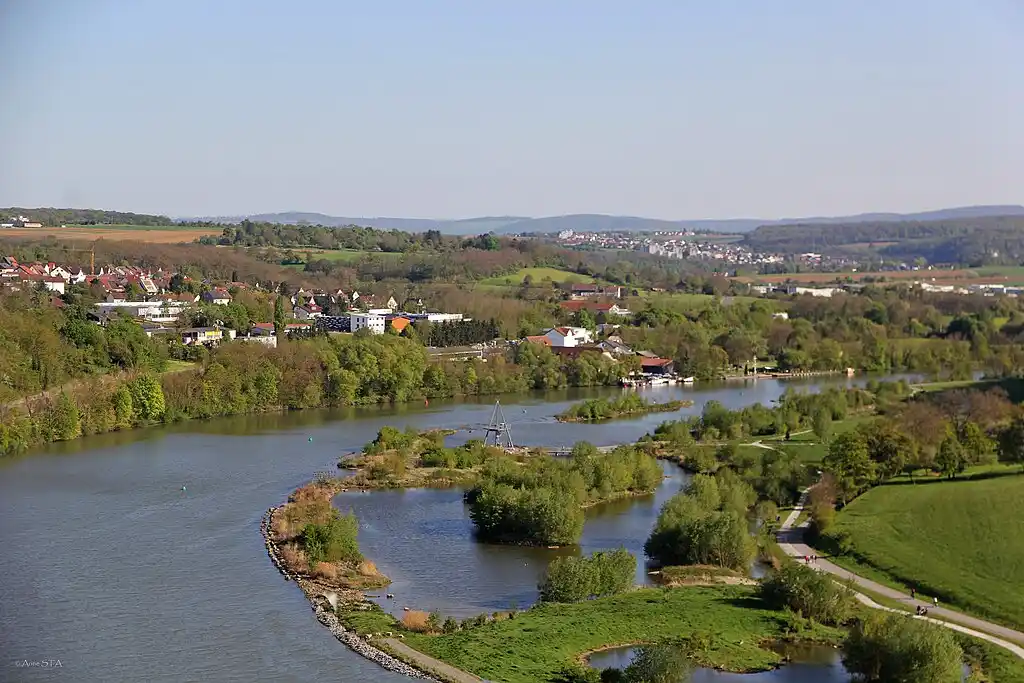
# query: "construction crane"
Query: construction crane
{"points": [[91, 251]]}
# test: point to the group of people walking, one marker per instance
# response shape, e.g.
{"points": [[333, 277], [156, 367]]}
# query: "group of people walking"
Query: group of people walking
{"points": [[922, 610]]}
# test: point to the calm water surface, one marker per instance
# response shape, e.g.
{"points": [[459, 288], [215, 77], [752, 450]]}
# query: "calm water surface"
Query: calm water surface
{"points": [[808, 664], [111, 568]]}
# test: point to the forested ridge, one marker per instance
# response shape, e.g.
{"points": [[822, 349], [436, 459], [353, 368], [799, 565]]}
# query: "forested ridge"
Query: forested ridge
{"points": [[966, 241]]}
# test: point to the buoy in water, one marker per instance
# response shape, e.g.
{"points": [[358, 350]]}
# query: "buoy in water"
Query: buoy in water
{"points": [[311, 439], [182, 488]]}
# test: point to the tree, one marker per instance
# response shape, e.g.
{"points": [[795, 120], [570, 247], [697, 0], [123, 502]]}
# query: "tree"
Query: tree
{"points": [[279, 315], [583, 318], [811, 594], [147, 397], [978, 447], [667, 662], [1011, 442], [822, 424], [850, 464], [950, 458], [896, 648]]}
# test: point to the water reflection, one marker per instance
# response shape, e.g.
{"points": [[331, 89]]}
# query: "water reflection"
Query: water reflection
{"points": [[806, 664], [423, 540]]}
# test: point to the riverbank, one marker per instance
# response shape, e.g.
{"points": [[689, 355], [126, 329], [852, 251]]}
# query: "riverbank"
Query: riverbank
{"points": [[540, 642], [324, 598]]}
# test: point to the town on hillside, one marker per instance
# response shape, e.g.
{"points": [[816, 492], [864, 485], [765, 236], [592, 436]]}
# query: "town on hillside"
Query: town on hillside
{"points": [[163, 303]]}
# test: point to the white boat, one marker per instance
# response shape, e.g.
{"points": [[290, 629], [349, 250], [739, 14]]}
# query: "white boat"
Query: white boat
{"points": [[688, 380]]}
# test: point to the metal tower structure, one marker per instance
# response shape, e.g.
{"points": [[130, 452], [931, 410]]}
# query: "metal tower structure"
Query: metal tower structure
{"points": [[502, 434]]}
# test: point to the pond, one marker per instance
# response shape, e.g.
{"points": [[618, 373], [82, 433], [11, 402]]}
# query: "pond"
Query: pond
{"points": [[805, 664]]}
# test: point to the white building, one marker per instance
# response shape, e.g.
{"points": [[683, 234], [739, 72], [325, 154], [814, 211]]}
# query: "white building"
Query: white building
{"points": [[569, 336], [372, 321], [153, 311]]}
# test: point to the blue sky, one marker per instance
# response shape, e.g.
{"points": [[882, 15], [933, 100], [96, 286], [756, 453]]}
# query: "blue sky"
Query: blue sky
{"points": [[458, 108]]}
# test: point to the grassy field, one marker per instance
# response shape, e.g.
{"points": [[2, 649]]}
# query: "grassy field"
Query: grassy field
{"points": [[962, 541], [539, 642], [168, 234], [539, 275]]}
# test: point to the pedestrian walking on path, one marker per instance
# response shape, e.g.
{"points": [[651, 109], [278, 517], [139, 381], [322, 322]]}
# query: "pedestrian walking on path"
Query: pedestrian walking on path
{"points": [[913, 593], [935, 601]]}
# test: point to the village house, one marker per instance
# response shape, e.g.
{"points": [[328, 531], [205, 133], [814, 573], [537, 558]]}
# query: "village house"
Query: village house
{"points": [[584, 291], [569, 336], [595, 307], [217, 296], [207, 336], [307, 311]]}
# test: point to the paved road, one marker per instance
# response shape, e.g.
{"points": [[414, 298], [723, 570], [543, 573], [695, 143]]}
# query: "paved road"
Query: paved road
{"points": [[791, 541], [428, 663]]}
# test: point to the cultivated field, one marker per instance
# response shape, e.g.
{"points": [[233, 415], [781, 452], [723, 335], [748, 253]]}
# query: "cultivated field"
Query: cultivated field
{"points": [[169, 234], [962, 541], [538, 275]]}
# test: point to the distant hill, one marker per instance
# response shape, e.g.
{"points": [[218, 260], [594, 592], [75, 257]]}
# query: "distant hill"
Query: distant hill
{"points": [[604, 223]]}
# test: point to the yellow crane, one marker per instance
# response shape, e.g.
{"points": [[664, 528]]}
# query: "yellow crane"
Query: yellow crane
{"points": [[91, 251]]}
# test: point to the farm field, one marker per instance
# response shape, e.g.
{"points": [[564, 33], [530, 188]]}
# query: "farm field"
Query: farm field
{"points": [[960, 540], [169, 234], [538, 274]]}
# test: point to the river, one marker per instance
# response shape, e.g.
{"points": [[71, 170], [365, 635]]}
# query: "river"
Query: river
{"points": [[110, 568]]}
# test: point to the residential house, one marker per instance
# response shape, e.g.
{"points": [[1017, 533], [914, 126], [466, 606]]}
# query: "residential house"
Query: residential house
{"points": [[578, 291], [217, 296], [374, 322], [595, 307], [538, 339], [307, 312], [292, 328], [569, 336], [657, 366], [208, 336], [54, 284], [615, 346]]}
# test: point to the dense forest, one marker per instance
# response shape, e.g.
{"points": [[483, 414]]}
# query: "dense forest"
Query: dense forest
{"points": [[966, 241], [53, 217]]}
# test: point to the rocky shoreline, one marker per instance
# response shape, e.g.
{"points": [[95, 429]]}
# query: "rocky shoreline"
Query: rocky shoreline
{"points": [[322, 605]]}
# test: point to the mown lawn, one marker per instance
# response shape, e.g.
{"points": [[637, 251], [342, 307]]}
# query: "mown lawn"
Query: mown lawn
{"points": [[538, 274], [539, 642], [962, 541]]}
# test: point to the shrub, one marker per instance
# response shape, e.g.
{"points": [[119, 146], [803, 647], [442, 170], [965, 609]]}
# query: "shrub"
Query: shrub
{"points": [[809, 593], [571, 579], [334, 541], [897, 648], [416, 620]]}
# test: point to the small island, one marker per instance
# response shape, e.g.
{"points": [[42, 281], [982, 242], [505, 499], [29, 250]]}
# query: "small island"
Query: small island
{"points": [[600, 409]]}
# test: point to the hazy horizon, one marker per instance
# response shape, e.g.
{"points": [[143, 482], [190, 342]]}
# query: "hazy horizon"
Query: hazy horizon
{"points": [[458, 109]]}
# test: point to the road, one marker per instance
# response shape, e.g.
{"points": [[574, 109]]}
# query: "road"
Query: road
{"points": [[429, 664], [790, 539]]}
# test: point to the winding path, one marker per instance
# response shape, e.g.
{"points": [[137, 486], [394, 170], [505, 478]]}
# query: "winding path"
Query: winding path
{"points": [[790, 539]]}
